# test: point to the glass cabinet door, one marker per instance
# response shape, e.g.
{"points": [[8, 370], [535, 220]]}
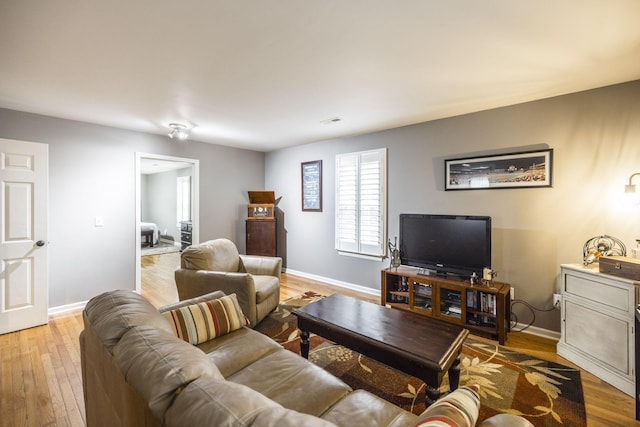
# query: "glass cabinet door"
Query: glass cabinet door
{"points": [[422, 294], [451, 303]]}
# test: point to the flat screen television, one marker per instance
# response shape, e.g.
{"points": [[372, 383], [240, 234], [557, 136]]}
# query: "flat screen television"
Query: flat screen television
{"points": [[446, 244]]}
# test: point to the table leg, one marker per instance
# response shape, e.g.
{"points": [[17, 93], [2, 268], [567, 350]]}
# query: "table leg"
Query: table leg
{"points": [[431, 395], [454, 375], [304, 344]]}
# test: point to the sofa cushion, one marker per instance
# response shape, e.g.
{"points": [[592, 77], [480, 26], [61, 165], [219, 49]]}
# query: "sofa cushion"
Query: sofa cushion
{"points": [[213, 255], [204, 321], [459, 408], [266, 286], [293, 382], [113, 313], [158, 365], [205, 403], [362, 408], [229, 352]]}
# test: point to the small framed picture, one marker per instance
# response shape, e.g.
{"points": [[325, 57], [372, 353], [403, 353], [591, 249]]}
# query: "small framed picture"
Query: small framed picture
{"points": [[517, 170], [312, 186]]}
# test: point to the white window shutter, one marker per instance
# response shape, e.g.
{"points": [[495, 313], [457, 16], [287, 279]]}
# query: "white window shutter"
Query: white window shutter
{"points": [[361, 202], [346, 202]]}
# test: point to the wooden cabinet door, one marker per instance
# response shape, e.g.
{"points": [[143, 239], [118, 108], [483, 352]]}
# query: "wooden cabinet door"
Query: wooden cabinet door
{"points": [[451, 302], [261, 237]]}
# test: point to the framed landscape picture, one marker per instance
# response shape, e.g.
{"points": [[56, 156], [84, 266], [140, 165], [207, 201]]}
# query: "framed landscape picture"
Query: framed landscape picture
{"points": [[312, 186], [517, 170]]}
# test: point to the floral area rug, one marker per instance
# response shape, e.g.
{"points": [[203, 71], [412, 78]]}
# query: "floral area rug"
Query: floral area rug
{"points": [[546, 393]]}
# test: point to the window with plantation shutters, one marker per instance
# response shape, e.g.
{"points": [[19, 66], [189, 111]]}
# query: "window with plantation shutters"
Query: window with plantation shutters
{"points": [[361, 202]]}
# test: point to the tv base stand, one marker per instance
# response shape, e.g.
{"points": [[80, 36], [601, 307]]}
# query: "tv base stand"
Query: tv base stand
{"points": [[484, 310]]}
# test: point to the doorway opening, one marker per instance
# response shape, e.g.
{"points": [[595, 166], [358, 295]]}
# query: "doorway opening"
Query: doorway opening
{"points": [[167, 195]]}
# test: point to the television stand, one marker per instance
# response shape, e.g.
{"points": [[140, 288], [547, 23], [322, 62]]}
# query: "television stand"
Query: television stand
{"points": [[438, 273], [484, 310]]}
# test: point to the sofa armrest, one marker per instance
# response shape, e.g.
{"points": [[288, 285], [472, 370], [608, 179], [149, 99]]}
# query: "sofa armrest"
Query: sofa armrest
{"points": [[261, 265], [195, 283], [195, 300]]}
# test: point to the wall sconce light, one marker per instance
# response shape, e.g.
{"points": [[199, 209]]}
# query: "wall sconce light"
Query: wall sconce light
{"points": [[178, 131], [630, 197], [631, 188]]}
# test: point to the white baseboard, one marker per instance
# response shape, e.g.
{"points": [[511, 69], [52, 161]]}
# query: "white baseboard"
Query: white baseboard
{"points": [[533, 330], [540, 332], [61, 309], [346, 285]]}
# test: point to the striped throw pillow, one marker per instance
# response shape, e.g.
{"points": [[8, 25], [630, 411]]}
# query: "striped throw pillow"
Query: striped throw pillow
{"points": [[459, 408], [198, 323]]}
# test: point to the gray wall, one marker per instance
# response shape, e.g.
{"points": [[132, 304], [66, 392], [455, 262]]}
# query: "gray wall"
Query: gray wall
{"points": [[92, 172], [596, 140]]}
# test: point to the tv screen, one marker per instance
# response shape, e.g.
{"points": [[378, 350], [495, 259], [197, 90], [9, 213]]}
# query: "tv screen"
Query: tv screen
{"points": [[446, 244]]}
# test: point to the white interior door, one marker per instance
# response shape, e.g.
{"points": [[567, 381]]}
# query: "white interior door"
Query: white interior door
{"points": [[23, 238]]}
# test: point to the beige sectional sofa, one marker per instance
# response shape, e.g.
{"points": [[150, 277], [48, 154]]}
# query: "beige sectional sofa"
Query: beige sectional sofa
{"points": [[137, 372]]}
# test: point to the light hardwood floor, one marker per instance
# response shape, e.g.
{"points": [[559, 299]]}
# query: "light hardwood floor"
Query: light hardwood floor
{"points": [[41, 382]]}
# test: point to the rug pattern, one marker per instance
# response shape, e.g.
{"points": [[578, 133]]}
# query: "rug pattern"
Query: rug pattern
{"points": [[546, 393]]}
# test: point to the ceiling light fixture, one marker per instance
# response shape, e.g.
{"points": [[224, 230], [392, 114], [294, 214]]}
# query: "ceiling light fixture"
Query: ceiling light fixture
{"points": [[331, 120], [178, 131]]}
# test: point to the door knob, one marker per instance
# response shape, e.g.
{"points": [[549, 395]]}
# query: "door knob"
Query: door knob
{"points": [[40, 243]]}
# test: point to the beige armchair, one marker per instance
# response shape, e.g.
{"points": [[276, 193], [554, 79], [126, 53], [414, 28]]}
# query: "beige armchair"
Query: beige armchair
{"points": [[216, 265]]}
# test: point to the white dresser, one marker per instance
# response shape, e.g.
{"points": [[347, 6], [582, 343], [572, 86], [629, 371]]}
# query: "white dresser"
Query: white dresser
{"points": [[597, 330]]}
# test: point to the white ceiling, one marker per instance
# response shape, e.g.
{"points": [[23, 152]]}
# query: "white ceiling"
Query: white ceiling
{"points": [[265, 74]]}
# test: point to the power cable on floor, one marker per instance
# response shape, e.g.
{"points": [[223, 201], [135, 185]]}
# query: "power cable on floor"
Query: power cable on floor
{"points": [[532, 309]]}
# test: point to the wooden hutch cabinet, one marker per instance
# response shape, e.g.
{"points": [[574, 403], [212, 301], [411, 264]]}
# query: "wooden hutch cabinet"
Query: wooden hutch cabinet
{"points": [[484, 310], [261, 224], [261, 237]]}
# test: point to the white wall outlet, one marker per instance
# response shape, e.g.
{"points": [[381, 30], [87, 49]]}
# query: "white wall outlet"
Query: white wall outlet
{"points": [[557, 301], [99, 221], [512, 291]]}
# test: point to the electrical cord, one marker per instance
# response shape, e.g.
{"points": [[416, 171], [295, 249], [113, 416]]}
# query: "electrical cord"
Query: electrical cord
{"points": [[532, 309]]}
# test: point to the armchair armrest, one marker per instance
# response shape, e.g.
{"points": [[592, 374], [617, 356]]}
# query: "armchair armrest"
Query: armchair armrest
{"points": [[194, 283], [261, 265]]}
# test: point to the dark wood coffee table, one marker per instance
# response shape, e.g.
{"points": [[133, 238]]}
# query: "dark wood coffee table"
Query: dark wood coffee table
{"points": [[417, 345]]}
